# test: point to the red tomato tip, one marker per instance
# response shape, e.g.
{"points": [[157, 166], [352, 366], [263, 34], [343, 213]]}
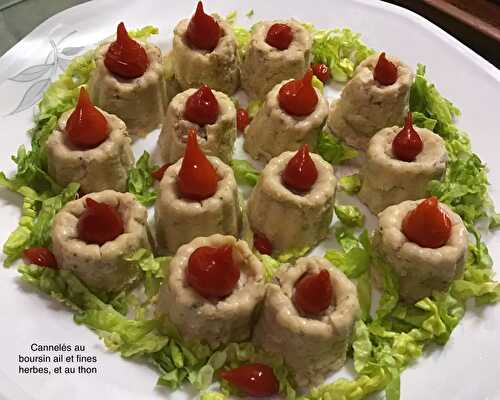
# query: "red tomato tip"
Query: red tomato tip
{"points": [[427, 225], [300, 173]]}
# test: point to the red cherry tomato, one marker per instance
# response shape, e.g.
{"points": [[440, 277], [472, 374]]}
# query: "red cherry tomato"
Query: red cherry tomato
{"points": [[385, 72], [99, 223], [158, 174], [262, 244], [86, 126], [242, 119], [322, 72], [407, 144], [126, 57], [202, 107], [298, 96], [212, 272], [313, 293], [203, 31], [427, 225], [300, 173], [197, 178], [257, 380], [41, 256], [279, 36]]}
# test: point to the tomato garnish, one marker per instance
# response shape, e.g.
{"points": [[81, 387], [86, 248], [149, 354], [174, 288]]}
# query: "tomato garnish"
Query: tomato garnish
{"points": [[212, 272], [86, 126], [242, 119], [158, 174], [279, 36], [385, 72], [41, 256], [298, 96], [203, 31], [322, 72], [256, 380], [262, 244], [99, 223], [313, 293], [407, 144], [126, 57], [300, 173], [197, 178], [427, 225], [202, 107]]}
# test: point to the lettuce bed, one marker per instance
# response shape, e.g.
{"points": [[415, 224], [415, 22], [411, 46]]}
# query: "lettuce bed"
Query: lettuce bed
{"points": [[384, 343]]}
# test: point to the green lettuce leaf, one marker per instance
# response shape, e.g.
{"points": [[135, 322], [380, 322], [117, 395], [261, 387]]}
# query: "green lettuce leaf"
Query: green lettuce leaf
{"points": [[333, 150], [35, 224], [254, 107], [213, 396], [244, 173], [350, 215], [140, 182], [340, 49], [241, 34], [126, 336], [465, 184], [292, 254], [355, 257], [350, 184], [318, 84], [154, 268], [144, 33], [270, 264]]}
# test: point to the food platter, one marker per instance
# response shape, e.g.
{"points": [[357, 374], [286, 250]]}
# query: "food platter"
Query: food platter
{"points": [[467, 367]]}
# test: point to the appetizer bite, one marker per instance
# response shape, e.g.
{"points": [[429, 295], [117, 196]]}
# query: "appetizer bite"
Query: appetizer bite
{"points": [[128, 81], [212, 291], [205, 52], [292, 204], [425, 244], [212, 114], [278, 51], [198, 197], [400, 162], [293, 114], [376, 97], [308, 316], [92, 235], [91, 147]]}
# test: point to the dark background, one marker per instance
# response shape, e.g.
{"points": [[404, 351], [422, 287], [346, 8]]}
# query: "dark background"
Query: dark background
{"points": [[476, 23]]}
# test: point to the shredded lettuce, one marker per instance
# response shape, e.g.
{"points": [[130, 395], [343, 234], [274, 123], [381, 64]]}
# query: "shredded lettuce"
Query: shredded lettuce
{"points": [[340, 49], [244, 173], [318, 84], [350, 215], [333, 150], [154, 268], [292, 254], [254, 107], [465, 184], [144, 33], [270, 264], [356, 254], [129, 337], [351, 184], [241, 34], [35, 224], [140, 182]]}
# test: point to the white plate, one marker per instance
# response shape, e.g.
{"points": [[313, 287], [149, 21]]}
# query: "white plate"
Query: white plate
{"points": [[467, 368]]}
